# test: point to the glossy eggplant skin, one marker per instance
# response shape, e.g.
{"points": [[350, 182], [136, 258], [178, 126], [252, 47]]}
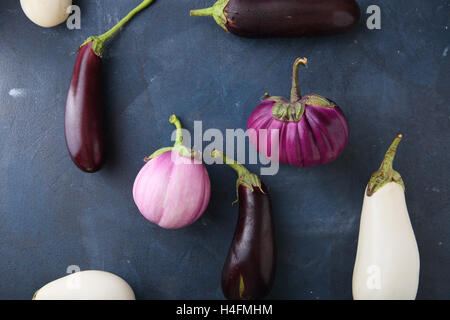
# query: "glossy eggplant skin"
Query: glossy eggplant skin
{"points": [[84, 113], [289, 18], [249, 269]]}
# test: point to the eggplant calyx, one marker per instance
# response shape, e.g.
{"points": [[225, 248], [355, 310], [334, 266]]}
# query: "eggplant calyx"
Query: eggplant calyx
{"points": [[245, 177], [217, 11], [99, 41], [386, 173], [284, 110], [178, 145], [293, 110], [158, 153], [287, 111], [317, 100], [250, 181], [97, 45]]}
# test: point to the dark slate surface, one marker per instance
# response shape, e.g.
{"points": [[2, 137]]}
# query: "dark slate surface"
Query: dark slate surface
{"points": [[52, 215]]}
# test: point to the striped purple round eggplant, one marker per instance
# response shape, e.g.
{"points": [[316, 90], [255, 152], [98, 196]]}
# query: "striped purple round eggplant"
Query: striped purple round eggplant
{"points": [[84, 114], [302, 132], [249, 269], [261, 18]]}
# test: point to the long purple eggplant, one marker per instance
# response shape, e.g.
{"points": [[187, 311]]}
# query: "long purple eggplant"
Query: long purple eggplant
{"points": [[84, 127], [249, 269], [283, 18], [84, 119]]}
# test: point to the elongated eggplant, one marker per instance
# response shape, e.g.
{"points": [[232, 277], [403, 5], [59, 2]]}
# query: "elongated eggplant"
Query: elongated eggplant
{"points": [[249, 269], [262, 18], [387, 265], [83, 120]]}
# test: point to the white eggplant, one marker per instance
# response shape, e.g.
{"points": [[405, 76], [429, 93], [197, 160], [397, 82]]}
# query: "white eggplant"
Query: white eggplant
{"points": [[86, 285], [387, 259], [46, 13]]}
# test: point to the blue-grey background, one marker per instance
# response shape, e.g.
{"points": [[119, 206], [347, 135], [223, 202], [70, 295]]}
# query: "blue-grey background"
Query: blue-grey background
{"points": [[389, 81]]}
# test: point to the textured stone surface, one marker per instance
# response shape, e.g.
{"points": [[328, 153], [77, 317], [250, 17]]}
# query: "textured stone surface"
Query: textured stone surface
{"points": [[52, 215]]}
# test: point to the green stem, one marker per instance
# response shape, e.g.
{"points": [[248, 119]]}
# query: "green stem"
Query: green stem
{"points": [[178, 145], [179, 137], [239, 168], [388, 161], [207, 12], [216, 11], [386, 173], [99, 41], [295, 91], [245, 177]]}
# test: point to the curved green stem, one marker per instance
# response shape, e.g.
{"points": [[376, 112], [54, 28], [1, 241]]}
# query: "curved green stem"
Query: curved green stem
{"points": [[388, 160], [179, 137], [386, 173], [246, 178], [98, 42], [178, 145], [239, 168], [295, 91]]}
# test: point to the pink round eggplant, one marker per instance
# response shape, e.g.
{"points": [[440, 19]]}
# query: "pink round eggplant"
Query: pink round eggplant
{"points": [[303, 131], [173, 189]]}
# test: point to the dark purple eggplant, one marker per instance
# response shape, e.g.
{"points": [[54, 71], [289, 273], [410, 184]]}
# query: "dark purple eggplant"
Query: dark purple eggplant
{"points": [[283, 18], [249, 269], [83, 120]]}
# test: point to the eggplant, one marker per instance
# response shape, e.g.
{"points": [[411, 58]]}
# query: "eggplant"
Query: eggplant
{"points": [[387, 265], [283, 18], [84, 118], [249, 269], [87, 285], [84, 127], [307, 130], [173, 189]]}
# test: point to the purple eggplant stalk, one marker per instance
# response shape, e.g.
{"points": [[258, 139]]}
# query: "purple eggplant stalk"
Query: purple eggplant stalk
{"points": [[303, 131], [84, 128], [262, 18], [249, 269]]}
